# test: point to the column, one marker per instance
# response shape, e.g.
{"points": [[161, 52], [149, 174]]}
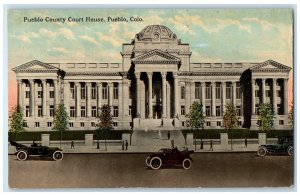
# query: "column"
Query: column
{"points": [[78, 109], [234, 93], [20, 93], [176, 100], [138, 97], [67, 96], [168, 100], [88, 99], [213, 99], [150, 113], [56, 92], [32, 98], [188, 96], [253, 96], [44, 97], [263, 89], [192, 92], [274, 96], [99, 95], [164, 94], [203, 98], [223, 97], [285, 99], [110, 96], [125, 97], [120, 99]]}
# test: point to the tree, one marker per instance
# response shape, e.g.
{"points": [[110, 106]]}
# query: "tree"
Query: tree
{"points": [[230, 119], [60, 120], [16, 121], [266, 116], [105, 121], [291, 115], [195, 117]]}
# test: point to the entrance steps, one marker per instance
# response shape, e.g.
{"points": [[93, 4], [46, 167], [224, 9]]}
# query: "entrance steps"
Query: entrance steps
{"points": [[155, 124]]}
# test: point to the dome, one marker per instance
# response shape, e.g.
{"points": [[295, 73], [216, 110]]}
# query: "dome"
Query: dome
{"points": [[156, 33]]}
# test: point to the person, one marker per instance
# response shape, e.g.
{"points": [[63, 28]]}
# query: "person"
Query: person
{"points": [[162, 123], [122, 145], [211, 146], [201, 144], [126, 144], [34, 144], [172, 143], [169, 135], [246, 142], [72, 144], [98, 145]]}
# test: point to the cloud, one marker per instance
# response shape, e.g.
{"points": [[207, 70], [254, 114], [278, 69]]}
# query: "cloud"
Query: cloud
{"points": [[33, 35], [46, 33], [114, 40], [24, 39], [90, 39], [67, 33], [60, 49]]}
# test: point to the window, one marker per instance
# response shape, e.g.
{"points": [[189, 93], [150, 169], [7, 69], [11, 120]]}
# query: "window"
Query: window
{"points": [[207, 91], [51, 110], [40, 94], [94, 92], [228, 91], [49, 124], [256, 93], [197, 90], [256, 109], [25, 124], [182, 110], [82, 111], [207, 110], [268, 93], [93, 124], [129, 110], [94, 111], [39, 84], [182, 92], [115, 124], [37, 124], [27, 94], [72, 111], [40, 111], [239, 123], [71, 125], [72, 91], [51, 94], [104, 91], [116, 90], [27, 111], [238, 90], [51, 84], [116, 111], [27, 84], [238, 110], [219, 124], [279, 111], [132, 90], [182, 124], [281, 122], [82, 124], [218, 110], [208, 124], [278, 94], [218, 91], [82, 91]]}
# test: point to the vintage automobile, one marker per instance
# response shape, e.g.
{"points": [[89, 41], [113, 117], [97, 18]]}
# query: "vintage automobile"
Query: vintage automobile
{"points": [[168, 157], [23, 152], [284, 146]]}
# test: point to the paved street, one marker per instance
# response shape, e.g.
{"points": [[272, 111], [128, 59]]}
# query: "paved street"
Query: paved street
{"points": [[209, 170]]}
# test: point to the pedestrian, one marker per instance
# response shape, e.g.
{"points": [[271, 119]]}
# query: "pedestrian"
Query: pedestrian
{"points": [[169, 135], [162, 123], [246, 142], [201, 144], [211, 146], [126, 144], [98, 145], [172, 143], [72, 144], [122, 145]]}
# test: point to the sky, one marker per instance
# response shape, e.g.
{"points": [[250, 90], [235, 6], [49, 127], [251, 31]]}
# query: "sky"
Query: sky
{"points": [[214, 35]]}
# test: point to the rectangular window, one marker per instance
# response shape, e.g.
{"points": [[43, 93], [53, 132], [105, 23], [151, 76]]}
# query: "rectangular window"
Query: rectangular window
{"points": [[182, 110], [238, 110], [93, 124], [82, 111], [116, 91], [268, 93], [182, 92], [25, 124], [115, 124], [82, 92], [51, 84], [228, 91], [40, 94], [51, 94], [27, 111], [72, 91], [40, 111], [72, 111], [238, 90], [219, 124], [182, 124], [218, 90], [51, 110], [37, 124], [94, 92], [71, 125], [256, 110], [239, 123], [208, 124], [218, 110], [207, 91], [27, 84], [129, 110], [281, 122], [207, 110], [104, 91], [197, 90], [131, 90], [82, 124], [94, 111], [116, 111], [27, 94], [49, 124], [39, 84], [256, 93]]}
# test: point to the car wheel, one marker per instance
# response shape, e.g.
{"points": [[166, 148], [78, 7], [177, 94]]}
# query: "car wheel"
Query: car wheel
{"points": [[187, 163], [262, 152], [148, 159], [22, 155], [155, 163], [290, 150], [58, 155]]}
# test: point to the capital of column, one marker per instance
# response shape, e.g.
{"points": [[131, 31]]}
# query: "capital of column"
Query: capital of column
{"points": [[77, 84], [213, 84], [263, 80], [109, 84], [20, 81], [31, 81], [175, 75], [137, 75], [163, 75], [99, 84], [88, 84], [149, 75]]}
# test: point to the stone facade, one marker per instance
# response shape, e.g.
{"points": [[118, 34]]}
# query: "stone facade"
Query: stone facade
{"points": [[153, 88]]}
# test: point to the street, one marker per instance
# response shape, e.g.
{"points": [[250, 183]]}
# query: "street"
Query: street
{"points": [[209, 170]]}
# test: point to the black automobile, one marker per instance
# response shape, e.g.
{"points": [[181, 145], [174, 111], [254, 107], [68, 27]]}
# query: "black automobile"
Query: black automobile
{"points": [[169, 157], [284, 146], [23, 152]]}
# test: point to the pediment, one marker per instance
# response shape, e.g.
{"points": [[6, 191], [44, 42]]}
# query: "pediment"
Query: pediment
{"points": [[156, 56], [270, 65], [36, 66]]}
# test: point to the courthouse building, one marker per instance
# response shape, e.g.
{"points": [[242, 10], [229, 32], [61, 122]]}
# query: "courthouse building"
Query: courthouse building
{"points": [[152, 88]]}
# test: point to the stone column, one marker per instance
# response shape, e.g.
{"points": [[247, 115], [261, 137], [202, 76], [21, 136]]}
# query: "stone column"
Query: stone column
{"points": [[99, 95], [150, 113], [223, 97], [176, 100], [110, 97], [44, 98], [56, 92], [67, 96], [203, 97], [213, 99], [164, 94], [78, 109], [263, 89], [120, 99], [192, 92], [125, 97], [32, 98], [20, 93], [188, 96], [234, 93], [138, 96], [285, 98], [88, 99], [253, 96], [274, 96]]}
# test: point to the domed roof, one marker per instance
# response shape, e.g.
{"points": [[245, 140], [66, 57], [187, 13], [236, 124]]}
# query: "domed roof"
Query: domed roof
{"points": [[156, 33]]}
